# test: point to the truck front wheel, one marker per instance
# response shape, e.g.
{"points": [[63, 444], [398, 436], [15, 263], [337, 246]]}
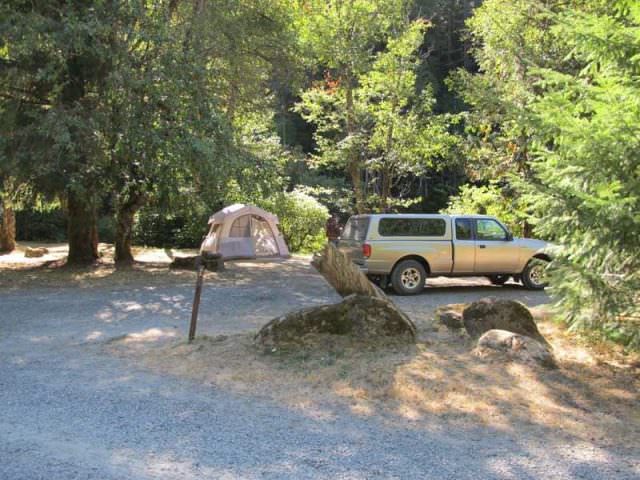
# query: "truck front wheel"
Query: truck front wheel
{"points": [[408, 277], [534, 275]]}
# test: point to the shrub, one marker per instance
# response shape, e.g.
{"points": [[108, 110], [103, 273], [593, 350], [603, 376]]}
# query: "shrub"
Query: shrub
{"points": [[162, 229], [302, 219], [106, 229], [42, 225]]}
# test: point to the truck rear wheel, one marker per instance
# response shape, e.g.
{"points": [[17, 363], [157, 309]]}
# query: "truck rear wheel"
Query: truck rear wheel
{"points": [[408, 277]]}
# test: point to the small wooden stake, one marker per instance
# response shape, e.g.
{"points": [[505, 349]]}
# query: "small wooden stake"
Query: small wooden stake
{"points": [[196, 302]]}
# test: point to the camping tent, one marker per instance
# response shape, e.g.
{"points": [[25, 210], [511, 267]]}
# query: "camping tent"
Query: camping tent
{"points": [[244, 231]]}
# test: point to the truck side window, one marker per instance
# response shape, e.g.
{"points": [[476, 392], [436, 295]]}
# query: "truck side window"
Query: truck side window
{"points": [[463, 229], [490, 230], [412, 227]]}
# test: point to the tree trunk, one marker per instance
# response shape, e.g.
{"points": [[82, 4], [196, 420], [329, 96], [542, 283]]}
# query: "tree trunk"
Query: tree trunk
{"points": [[124, 229], [8, 228], [387, 178], [82, 231], [354, 160], [385, 191]]}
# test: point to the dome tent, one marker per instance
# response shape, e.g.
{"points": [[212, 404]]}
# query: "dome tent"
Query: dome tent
{"points": [[244, 231]]}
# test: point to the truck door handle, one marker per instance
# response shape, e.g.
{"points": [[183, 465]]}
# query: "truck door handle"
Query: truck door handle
{"points": [[482, 246]]}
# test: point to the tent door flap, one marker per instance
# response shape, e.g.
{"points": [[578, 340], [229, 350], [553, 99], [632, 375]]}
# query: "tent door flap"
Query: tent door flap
{"points": [[264, 241]]}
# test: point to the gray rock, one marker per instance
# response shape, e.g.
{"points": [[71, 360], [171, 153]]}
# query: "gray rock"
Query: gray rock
{"points": [[212, 263], [509, 346], [450, 316], [489, 314], [35, 252], [359, 316], [184, 262]]}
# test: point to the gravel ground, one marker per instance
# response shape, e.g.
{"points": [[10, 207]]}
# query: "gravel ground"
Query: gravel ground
{"points": [[67, 411]]}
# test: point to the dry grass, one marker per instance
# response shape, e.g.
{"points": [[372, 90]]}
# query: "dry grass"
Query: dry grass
{"points": [[591, 397]]}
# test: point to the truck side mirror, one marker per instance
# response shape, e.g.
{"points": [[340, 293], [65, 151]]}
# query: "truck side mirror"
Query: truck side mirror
{"points": [[509, 237]]}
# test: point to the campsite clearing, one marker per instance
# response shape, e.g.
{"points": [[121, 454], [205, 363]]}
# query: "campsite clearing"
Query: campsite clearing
{"points": [[98, 380]]}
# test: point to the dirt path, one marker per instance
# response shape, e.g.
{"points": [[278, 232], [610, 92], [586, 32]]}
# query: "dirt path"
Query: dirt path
{"points": [[68, 410]]}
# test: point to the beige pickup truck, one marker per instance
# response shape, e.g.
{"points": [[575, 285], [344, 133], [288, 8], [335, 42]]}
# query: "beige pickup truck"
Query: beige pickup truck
{"points": [[405, 249]]}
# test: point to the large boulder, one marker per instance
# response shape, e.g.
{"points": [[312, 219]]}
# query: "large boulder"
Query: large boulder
{"points": [[35, 252], [504, 345], [490, 314], [359, 316]]}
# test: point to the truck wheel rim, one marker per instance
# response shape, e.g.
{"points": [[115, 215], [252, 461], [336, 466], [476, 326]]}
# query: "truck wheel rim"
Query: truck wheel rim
{"points": [[536, 274], [410, 278]]}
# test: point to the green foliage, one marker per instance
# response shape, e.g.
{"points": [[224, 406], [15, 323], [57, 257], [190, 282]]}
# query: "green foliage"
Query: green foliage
{"points": [[510, 38], [106, 226], [135, 98], [588, 168], [335, 195], [157, 228], [337, 39], [302, 219], [375, 119], [342, 35], [555, 108], [489, 200], [41, 224]]}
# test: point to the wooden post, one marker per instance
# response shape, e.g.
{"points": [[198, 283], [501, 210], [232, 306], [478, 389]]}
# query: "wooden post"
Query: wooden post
{"points": [[204, 261], [196, 301]]}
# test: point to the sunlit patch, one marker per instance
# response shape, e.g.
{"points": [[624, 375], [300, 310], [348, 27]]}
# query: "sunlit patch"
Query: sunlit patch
{"points": [[409, 413], [150, 335], [128, 306], [105, 314], [40, 339], [363, 408], [93, 336]]}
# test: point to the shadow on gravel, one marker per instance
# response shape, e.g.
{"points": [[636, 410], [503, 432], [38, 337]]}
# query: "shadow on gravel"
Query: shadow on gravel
{"points": [[412, 412]]}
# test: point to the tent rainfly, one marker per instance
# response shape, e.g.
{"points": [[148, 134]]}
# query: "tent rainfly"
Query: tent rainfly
{"points": [[244, 231]]}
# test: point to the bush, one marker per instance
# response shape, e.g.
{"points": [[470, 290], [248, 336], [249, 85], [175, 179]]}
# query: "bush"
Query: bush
{"points": [[106, 229], [490, 200], [41, 225], [302, 219], [158, 229]]}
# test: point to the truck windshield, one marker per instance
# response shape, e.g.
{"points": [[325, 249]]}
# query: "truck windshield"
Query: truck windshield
{"points": [[356, 229]]}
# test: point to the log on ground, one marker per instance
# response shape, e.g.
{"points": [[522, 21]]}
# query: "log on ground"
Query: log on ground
{"points": [[343, 275]]}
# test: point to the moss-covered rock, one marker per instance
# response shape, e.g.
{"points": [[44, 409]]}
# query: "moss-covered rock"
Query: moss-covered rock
{"points": [[490, 314], [359, 316]]}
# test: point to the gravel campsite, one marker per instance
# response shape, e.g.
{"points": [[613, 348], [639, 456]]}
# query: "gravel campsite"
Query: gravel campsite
{"points": [[99, 382], [320, 239]]}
